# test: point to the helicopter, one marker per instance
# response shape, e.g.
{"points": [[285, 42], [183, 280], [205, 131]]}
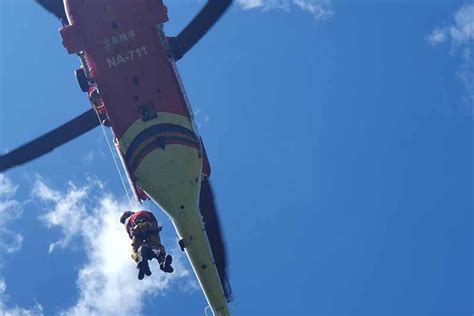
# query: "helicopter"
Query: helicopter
{"points": [[129, 73]]}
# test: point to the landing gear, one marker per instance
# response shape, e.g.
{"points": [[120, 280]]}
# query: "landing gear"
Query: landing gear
{"points": [[82, 79]]}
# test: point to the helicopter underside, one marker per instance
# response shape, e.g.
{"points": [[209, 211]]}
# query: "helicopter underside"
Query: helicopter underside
{"points": [[132, 68]]}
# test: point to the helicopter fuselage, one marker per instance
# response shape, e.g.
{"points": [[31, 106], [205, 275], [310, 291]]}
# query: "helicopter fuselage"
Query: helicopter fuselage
{"points": [[127, 58]]}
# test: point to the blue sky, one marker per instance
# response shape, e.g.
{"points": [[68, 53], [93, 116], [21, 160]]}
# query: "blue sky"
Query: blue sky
{"points": [[340, 138]]}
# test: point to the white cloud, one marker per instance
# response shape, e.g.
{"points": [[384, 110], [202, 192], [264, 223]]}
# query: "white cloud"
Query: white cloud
{"points": [[461, 36], [190, 286], [320, 9], [201, 118], [250, 4], [37, 309], [10, 210], [88, 158], [10, 241], [68, 213], [438, 36], [14, 241], [3, 286], [461, 32], [108, 282], [7, 188]]}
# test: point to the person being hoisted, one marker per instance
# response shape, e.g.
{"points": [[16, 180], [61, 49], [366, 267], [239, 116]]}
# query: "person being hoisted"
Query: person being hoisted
{"points": [[142, 227]]}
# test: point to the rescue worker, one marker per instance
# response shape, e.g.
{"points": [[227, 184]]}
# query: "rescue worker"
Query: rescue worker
{"points": [[98, 104], [142, 227]]}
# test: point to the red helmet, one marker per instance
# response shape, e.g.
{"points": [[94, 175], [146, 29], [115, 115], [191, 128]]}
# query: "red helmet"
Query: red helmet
{"points": [[125, 215]]}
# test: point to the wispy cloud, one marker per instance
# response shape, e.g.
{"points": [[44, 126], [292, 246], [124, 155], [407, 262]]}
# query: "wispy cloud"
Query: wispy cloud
{"points": [[108, 282], [201, 118], [461, 32], [439, 35], [37, 309], [320, 9], [7, 188], [461, 36], [88, 158], [10, 210], [10, 242], [250, 4]]}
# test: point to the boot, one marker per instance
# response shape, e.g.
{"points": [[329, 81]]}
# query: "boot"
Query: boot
{"points": [[147, 270], [165, 265], [141, 274], [143, 269]]}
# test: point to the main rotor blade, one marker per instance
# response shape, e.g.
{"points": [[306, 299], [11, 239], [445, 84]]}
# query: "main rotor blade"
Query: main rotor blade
{"points": [[55, 7], [48, 142], [198, 27], [214, 234]]}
